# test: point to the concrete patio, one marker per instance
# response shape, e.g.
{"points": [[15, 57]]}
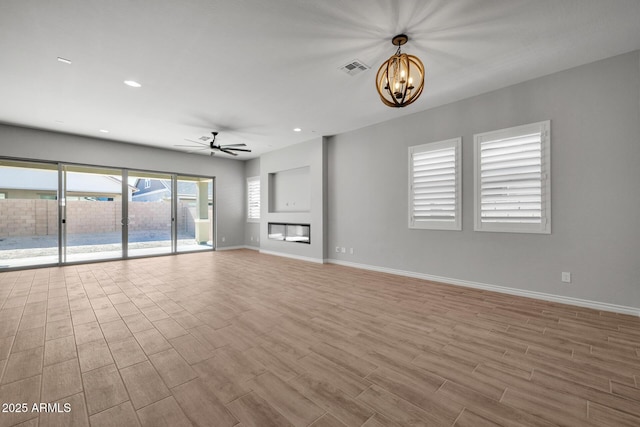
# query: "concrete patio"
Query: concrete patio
{"points": [[35, 250]]}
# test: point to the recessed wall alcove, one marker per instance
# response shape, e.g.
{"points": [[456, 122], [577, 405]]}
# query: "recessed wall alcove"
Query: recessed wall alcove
{"points": [[293, 200], [290, 190]]}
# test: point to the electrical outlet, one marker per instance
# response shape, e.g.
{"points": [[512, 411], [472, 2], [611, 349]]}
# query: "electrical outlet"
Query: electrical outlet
{"points": [[252, 238], [343, 250], [223, 238], [338, 249], [566, 277], [351, 251]]}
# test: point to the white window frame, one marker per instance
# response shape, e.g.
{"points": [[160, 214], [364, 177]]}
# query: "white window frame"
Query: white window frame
{"points": [[456, 223], [253, 180], [544, 227]]}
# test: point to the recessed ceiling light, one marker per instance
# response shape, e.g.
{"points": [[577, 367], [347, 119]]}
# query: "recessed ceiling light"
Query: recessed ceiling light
{"points": [[64, 60], [104, 131], [132, 83], [297, 130]]}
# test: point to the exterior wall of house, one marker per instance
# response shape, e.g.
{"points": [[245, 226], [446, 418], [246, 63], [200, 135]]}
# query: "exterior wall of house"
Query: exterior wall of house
{"points": [[156, 190], [26, 194]]}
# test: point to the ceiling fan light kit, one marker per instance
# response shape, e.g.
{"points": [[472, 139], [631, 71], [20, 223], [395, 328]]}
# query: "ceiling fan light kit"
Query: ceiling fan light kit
{"points": [[400, 79]]}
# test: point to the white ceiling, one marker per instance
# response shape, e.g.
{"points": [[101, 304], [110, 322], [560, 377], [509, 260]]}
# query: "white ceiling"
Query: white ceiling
{"points": [[256, 69]]}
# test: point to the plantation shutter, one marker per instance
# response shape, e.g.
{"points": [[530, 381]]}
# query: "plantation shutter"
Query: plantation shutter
{"points": [[513, 173], [434, 186], [253, 198]]}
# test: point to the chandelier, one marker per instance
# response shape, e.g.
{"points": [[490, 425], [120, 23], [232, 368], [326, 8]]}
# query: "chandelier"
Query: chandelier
{"points": [[400, 79]]}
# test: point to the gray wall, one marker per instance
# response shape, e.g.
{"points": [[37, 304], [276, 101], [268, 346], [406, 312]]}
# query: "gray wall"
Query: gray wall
{"points": [[42, 145], [595, 156], [251, 229], [289, 190], [307, 154]]}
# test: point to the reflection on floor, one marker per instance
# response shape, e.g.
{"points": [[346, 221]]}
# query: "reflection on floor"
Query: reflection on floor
{"points": [[43, 250]]}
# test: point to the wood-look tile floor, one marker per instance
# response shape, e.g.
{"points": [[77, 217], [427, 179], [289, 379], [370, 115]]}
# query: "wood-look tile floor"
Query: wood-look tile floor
{"points": [[237, 338]]}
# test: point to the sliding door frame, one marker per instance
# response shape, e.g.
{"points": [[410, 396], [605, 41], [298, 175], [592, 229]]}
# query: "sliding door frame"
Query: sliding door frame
{"points": [[174, 213], [212, 221], [62, 235], [124, 220], [62, 220]]}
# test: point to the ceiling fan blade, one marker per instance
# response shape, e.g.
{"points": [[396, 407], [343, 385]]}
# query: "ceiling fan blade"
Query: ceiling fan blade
{"points": [[197, 142], [184, 145], [227, 151], [195, 150], [238, 149], [234, 145]]}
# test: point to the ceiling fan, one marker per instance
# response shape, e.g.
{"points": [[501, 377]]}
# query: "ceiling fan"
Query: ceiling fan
{"points": [[211, 145]]}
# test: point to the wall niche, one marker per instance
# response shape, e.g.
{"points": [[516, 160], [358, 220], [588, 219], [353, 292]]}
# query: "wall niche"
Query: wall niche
{"points": [[290, 190]]}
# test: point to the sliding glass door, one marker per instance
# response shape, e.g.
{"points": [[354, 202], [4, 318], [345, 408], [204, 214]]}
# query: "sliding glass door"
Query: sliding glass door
{"points": [[61, 213], [92, 213], [194, 209], [28, 214], [150, 214]]}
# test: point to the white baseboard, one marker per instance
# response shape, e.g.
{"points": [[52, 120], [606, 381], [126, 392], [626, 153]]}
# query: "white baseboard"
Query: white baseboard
{"points": [[298, 257], [634, 311], [233, 248]]}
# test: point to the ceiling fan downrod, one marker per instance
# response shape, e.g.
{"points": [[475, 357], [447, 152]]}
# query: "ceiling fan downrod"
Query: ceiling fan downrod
{"points": [[212, 144]]}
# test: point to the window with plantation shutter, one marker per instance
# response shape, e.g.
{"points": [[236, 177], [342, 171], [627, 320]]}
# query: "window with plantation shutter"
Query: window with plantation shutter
{"points": [[512, 179], [435, 186], [253, 199]]}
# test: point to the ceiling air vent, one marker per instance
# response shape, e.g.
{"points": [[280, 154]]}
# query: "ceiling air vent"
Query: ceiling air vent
{"points": [[204, 138], [354, 67]]}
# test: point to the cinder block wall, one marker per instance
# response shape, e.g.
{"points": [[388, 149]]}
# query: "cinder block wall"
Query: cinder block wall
{"points": [[34, 217], [28, 217]]}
